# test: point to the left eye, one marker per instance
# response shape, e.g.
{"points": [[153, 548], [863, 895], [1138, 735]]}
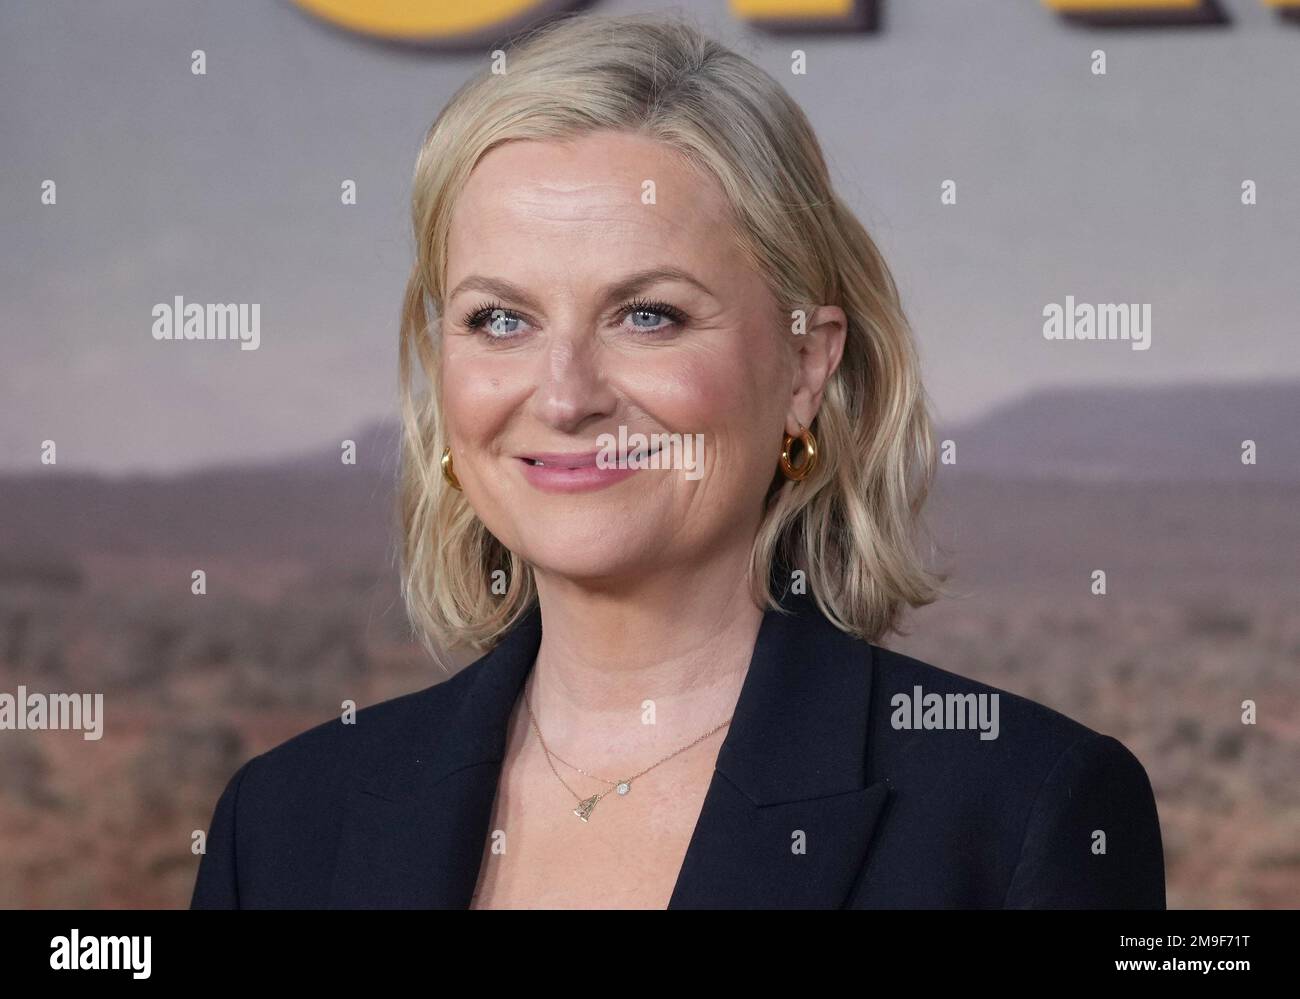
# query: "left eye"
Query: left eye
{"points": [[647, 319], [652, 316]]}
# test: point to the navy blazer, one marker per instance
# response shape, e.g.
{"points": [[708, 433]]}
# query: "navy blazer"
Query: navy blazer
{"points": [[394, 810]]}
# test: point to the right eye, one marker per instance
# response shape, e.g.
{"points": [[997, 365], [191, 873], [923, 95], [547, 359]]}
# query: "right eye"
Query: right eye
{"points": [[494, 322]]}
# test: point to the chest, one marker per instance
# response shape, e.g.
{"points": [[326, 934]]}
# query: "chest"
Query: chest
{"points": [[628, 855]]}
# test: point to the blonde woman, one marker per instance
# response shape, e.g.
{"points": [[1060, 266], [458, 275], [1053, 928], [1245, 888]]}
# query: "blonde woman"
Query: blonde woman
{"points": [[663, 463]]}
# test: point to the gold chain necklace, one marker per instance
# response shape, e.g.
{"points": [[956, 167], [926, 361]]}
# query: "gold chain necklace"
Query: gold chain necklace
{"points": [[585, 805]]}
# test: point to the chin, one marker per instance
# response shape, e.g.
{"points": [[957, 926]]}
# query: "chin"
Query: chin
{"points": [[589, 556]]}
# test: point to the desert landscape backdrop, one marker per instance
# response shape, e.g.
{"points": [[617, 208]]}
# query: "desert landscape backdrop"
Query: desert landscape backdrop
{"points": [[303, 612]]}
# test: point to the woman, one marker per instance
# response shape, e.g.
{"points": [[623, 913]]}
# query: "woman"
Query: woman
{"points": [[629, 253]]}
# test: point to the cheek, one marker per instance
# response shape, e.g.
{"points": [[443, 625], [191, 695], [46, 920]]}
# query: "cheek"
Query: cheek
{"points": [[740, 385], [727, 396], [475, 393], [687, 392], [750, 398]]}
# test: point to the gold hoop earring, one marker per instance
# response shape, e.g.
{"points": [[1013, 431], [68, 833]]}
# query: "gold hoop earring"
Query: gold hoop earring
{"points": [[448, 472], [809, 443]]}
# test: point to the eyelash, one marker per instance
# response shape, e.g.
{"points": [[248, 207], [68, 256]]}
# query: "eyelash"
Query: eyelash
{"points": [[475, 319]]}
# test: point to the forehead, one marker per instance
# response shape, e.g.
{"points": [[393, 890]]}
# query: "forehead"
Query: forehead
{"points": [[546, 203]]}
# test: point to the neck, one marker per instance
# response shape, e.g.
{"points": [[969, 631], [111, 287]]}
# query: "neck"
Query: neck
{"points": [[655, 666]]}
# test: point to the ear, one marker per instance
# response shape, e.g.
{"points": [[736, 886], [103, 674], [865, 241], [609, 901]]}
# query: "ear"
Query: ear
{"points": [[817, 354]]}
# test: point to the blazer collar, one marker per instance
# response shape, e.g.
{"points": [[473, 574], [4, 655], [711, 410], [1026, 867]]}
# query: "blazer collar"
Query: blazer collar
{"points": [[786, 820]]}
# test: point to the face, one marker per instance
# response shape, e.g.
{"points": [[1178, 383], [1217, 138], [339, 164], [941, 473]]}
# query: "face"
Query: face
{"points": [[578, 305]]}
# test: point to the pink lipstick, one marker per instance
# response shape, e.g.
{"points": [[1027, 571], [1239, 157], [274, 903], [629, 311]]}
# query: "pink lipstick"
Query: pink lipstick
{"points": [[570, 472]]}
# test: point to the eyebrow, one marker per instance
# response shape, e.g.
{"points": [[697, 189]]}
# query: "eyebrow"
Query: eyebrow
{"points": [[620, 290]]}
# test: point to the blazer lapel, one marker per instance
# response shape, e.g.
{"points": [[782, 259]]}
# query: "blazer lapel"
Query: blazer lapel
{"points": [[788, 817], [786, 821], [415, 829]]}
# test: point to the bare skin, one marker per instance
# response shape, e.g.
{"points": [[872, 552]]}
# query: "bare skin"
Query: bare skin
{"points": [[648, 625]]}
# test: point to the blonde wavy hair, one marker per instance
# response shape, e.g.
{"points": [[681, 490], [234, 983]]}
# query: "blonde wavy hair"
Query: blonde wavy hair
{"points": [[851, 526]]}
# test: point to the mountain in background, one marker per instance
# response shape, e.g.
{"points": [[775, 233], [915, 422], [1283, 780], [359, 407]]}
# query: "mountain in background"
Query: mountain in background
{"points": [[1174, 433], [307, 506], [1165, 433], [312, 507]]}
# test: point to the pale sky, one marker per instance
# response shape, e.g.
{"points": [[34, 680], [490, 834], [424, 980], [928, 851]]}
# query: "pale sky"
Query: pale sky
{"points": [[225, 188]]}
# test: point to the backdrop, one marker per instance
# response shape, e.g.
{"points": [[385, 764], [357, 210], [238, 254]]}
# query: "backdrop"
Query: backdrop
{"points": [[1092, 211]]}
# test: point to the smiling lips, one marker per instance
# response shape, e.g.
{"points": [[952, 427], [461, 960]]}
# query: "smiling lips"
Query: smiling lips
{"points": [[572, 472], [560, 459]]}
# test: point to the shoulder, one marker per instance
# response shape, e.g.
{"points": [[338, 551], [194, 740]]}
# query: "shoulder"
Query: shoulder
{"points": [[1066, 814], [923, 711], [917, 697], [323, 761], [277, 822]]}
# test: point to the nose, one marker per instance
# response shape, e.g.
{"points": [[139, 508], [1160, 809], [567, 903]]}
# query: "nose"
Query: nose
{"points": [[573, 384]]}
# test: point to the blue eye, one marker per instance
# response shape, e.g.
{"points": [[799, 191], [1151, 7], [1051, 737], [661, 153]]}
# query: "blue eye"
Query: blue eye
{"points": [[639, 314], [666, 315], [495, 322], [501, 322]]}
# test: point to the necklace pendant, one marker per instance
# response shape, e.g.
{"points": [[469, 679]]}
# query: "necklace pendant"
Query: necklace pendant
{"points": [[584, 807], [624, 786]]}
